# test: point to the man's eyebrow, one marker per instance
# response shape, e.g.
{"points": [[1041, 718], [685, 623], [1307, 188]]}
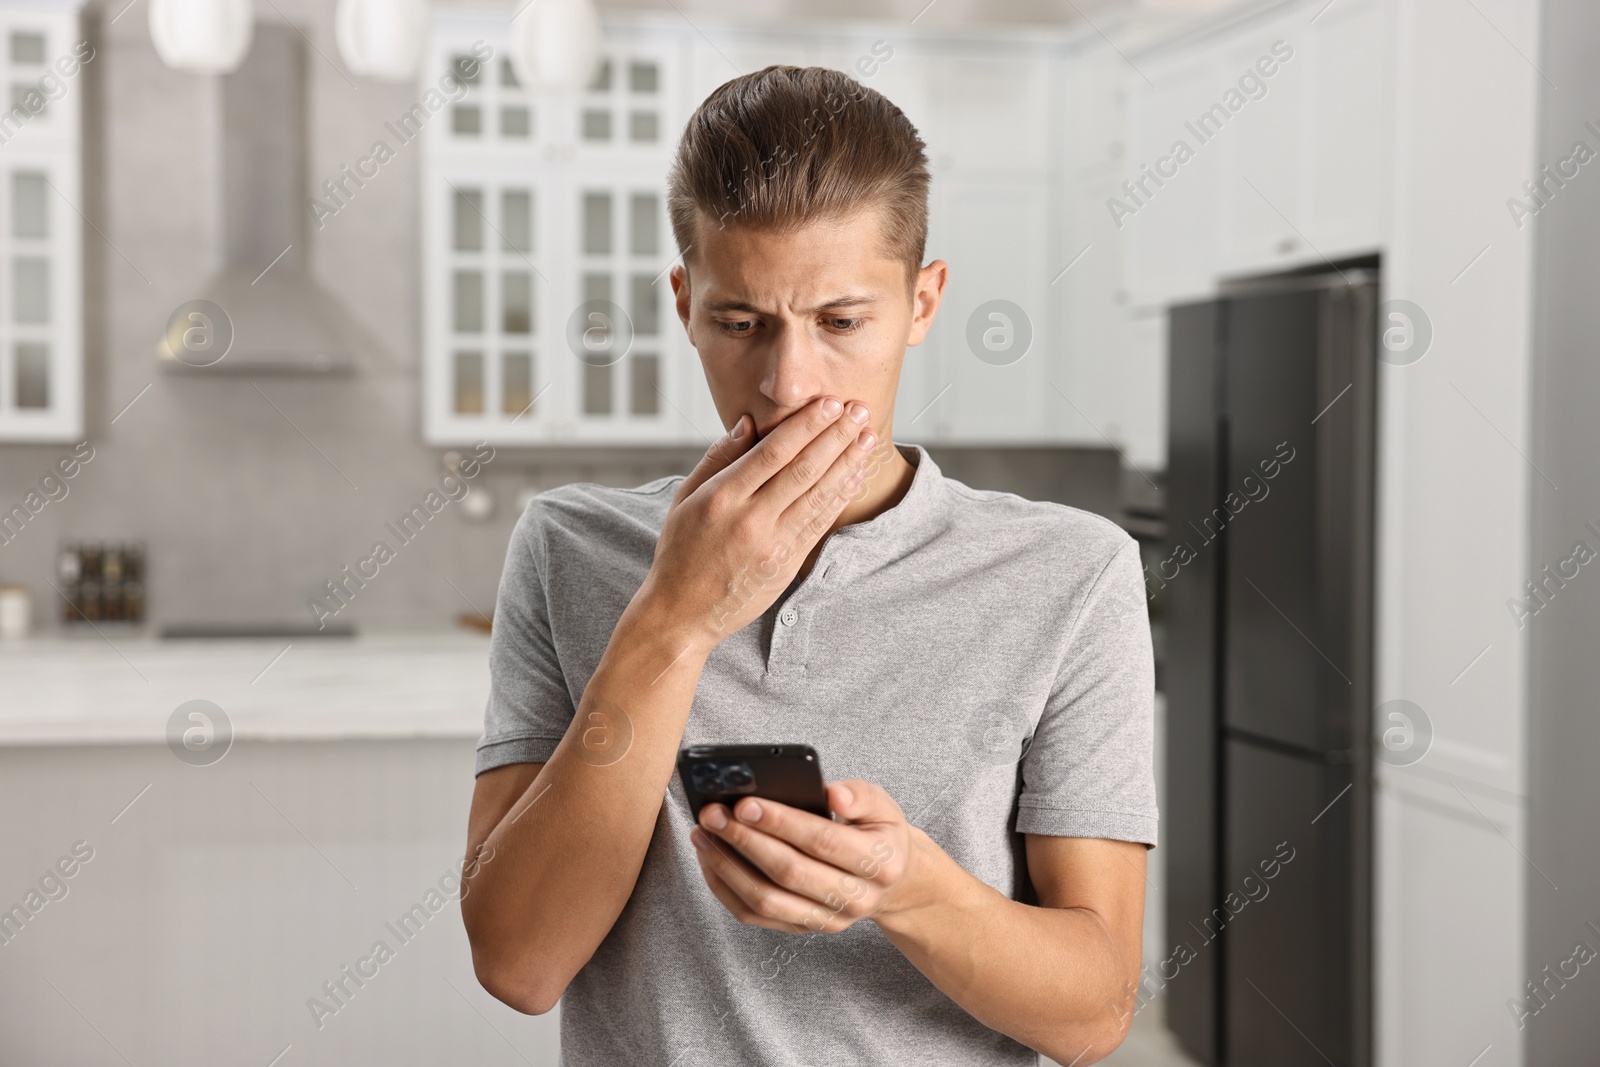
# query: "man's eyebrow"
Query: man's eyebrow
{"points": [[838, 303], [732, 305], [849, 300]]}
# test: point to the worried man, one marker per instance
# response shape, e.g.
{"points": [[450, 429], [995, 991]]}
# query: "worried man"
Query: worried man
{"points": [[974, 668]]}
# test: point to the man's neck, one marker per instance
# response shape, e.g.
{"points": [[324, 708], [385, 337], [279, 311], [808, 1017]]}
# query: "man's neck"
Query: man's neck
{"points": [[883, 489]]}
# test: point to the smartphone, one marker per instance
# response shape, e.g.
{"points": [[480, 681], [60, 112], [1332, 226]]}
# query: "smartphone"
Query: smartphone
{"points": [[789, 774]]}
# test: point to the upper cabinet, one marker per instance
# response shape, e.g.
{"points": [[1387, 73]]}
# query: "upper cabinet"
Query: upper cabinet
{"points": [[1260, 144], [546, 248], [42, 54]]}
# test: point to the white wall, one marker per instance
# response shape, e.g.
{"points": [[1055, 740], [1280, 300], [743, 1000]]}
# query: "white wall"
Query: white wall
{"points": [[1564, 731], [1453, 536]]}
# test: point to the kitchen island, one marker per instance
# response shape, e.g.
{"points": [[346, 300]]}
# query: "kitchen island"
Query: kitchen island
{"points": [[92, 688]]}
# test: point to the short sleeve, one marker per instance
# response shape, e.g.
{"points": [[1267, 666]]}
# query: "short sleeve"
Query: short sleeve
{"points": [[1089, 770], [529, 706]]}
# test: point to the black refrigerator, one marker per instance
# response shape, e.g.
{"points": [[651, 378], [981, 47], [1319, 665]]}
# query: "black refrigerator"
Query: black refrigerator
{"points": [[1267, 587]]}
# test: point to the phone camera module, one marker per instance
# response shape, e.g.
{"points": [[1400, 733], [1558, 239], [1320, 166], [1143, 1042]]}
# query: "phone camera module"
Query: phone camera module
{"points": [[711, 778]]}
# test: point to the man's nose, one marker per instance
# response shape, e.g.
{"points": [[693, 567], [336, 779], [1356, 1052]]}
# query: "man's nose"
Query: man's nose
{"points": [[794, 371]]}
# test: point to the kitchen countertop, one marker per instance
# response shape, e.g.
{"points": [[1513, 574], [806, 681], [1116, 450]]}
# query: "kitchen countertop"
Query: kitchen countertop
{"points": [[89, 689]]}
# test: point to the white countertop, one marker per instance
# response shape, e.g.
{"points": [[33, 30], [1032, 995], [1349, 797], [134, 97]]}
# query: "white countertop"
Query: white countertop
{"points": [[90, 689]]}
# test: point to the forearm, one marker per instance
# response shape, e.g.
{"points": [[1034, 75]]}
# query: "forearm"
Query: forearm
{"points": [[567, 854], [1051, 978]]}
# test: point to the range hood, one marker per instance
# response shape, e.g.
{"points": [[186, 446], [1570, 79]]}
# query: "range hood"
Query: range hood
{"points": [[283, 322]]}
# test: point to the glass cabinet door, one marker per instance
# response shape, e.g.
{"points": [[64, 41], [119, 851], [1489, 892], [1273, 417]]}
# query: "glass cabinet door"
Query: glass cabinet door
{"points": [[546, 250], [41, 391]]}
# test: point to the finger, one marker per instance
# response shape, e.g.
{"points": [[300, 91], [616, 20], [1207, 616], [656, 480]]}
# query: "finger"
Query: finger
{"points": [[785, 866], [810, 515], [712, 851], [752, 897], [736, 906], [863, 803], [723, 451], [731, 901], [816, 458], [753, 470], [839, 847]]}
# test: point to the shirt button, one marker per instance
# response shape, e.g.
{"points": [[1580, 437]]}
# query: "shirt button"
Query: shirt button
{"points": [[787, 616]]}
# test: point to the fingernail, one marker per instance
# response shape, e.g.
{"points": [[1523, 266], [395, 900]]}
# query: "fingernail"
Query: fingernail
{"points": [[750, 812], [867, 439], [858, 413], [715, 818], [831, 407], [697, 841], [739, 429], [849, 797]]}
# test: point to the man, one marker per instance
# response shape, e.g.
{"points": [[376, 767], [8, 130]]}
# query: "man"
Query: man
{"points": [[976, 668]]}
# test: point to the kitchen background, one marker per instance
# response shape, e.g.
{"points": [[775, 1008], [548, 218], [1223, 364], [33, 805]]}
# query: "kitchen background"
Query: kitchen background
{"points": [[221, 879], [249, 491]]}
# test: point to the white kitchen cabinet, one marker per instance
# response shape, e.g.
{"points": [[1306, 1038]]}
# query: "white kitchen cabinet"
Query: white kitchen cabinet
{"points": [[1168, 231], [547, 315], [1262, 150], [1450, 859], [1317, 151], [989, 107], [1293, 168], [1092, 101], [42, 53], [1349, 154]]}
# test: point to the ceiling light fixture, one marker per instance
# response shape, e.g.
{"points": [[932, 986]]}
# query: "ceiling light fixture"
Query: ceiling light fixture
{"points": [[381, 39], [555, 44], [202, 36]]}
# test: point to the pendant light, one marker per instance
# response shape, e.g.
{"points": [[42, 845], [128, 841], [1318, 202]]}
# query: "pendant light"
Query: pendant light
{"points": [[381, 39], [555, 44], [202, 36]]}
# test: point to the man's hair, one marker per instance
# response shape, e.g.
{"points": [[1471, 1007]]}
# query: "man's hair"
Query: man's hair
{"points": [[786, 146]]}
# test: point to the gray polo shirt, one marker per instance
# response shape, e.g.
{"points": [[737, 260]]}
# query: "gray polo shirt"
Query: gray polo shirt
{"points": [[984, 658]]}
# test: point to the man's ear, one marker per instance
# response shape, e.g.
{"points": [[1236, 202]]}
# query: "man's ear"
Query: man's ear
{"points": [[926, 294], [679, 276]]}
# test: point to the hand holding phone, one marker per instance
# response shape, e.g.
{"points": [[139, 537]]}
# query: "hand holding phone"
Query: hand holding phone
{"points": [[850, 867]]}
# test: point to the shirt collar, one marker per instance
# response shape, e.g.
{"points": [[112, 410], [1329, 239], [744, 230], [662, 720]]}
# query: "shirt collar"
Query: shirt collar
{"points": [[901, 525]]}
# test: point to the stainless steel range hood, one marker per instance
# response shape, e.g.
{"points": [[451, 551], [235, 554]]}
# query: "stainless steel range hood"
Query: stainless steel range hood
{"points": [[283, 321]]}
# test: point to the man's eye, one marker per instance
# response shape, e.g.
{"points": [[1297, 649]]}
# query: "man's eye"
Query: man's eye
{"points": [[845, 325], [742, 326]]}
